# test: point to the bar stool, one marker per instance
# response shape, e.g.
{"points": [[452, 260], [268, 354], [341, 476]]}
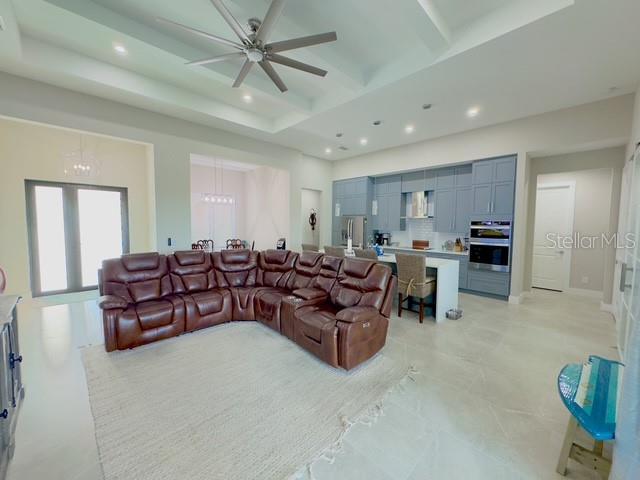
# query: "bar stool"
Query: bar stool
{"points": [[413, 282], [334, 251], [368, 253]]}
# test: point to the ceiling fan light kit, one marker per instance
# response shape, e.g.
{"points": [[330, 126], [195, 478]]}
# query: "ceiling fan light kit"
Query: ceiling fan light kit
{"points": [[254, 46]]}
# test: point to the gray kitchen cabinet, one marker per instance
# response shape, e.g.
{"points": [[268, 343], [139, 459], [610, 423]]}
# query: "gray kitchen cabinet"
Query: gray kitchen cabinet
{"points": [[445, 178], [463, 175], [387, 185], [413, 182], [429, 180], [482, 199], [502, 198], [483, 172], [493, 186], [463, 210], [485, 281], [389, 209], [504, 169], [445, 201], [353, 205], [494, 170]]}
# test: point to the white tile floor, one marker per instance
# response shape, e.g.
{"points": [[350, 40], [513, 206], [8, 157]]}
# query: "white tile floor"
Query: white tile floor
{"points": [[484, 405]]}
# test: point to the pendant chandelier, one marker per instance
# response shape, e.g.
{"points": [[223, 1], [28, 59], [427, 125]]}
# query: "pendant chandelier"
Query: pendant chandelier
{"points": [[81, 162]]}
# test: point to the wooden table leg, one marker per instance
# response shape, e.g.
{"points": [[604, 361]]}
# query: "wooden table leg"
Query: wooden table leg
{"points": [[421, 309], [569, 437]]}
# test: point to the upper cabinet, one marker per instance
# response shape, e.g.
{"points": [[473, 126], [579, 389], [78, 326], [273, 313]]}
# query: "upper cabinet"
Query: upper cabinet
{"points": [[350, 196], [388, 196], [445, 178], [422, 181], [494, 186], [463, 175], [390, 184], [453, 199]]}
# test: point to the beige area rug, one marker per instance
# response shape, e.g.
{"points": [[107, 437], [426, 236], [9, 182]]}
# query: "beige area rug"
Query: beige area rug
{"points": [[236, 401]]}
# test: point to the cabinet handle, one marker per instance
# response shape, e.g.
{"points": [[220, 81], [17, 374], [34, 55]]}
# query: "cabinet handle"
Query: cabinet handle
{"points": [[5, 413], [13, 360]]}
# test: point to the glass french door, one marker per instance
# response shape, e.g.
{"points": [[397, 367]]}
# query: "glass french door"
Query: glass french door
{"points": [[626, 460], [72, 228]]}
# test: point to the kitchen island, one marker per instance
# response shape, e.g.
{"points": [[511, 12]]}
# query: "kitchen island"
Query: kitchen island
{"points": [[446, 272]]}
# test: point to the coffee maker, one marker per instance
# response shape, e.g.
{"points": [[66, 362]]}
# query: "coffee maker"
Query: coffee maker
{"points": [[383, 239]]}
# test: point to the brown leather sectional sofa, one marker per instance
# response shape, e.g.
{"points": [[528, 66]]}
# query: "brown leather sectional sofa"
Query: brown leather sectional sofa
{"points": [[338, 309]]}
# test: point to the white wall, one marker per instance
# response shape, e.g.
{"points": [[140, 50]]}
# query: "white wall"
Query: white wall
{"points": [[267, 205], [597, 176], [35, 152], [311, 200], [173, 143], [215, 221], [595, 125]]}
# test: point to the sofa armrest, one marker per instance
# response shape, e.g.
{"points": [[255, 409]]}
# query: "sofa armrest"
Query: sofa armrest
{"points": [[108, 302], [357, 314], [310, 293]]}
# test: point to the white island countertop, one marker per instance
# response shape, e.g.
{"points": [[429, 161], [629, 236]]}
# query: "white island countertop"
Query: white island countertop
{"points": [[426, 252]]}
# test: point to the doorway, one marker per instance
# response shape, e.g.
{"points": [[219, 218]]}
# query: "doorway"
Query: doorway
{"points": [[72, 228], [310, 204], [555, 205]]}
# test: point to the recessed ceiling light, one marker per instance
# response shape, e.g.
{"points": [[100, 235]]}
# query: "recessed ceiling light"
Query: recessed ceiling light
{"points": [[120, 49], [473, 112], [363, 141], [247, 98], [328, 151], [409, 129]]}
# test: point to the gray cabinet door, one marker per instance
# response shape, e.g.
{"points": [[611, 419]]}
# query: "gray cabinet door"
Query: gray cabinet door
{"points": [[386, 185], [445, 178], [445, 210], [359, 186], [502, 198], [394, 201], [463, 175], [382, 219], [413, 182], [494, 283], [482, 199], [430, 180], [482, 172], [464, 207], [504, 169]]}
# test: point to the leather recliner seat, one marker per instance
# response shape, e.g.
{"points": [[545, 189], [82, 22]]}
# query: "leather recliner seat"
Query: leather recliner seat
{"points": [[337, 309]]}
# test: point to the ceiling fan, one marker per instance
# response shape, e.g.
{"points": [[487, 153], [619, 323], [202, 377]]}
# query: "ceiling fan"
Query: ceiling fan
{"points": [[254, 46]]}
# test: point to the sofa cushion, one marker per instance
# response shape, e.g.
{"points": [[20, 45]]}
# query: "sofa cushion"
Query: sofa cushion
{"points": [[208, 302], [313, 323], [154, 313], [235, 268], [137, 277], [275, 268], [361, 283]]}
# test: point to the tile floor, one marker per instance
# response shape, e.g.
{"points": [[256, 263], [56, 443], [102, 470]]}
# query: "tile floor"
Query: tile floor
{"points": [[484, 405]]}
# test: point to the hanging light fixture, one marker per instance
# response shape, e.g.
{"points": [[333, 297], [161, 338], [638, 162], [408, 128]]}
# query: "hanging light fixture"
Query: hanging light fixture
{"points": [[215, 197], [81, 162]]}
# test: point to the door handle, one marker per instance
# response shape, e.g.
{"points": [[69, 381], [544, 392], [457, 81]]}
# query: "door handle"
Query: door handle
{"points": [[623, 278]]}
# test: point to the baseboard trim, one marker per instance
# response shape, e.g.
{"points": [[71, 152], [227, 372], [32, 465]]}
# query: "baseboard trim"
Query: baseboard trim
{"points": [[515, 299], [585, 293], [607, 307]]}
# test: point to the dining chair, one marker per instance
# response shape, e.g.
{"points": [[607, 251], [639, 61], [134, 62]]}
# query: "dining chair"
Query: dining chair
{"points": [[413, 281], [334, 251], [307, 247], [368, 253], [235, 244]]}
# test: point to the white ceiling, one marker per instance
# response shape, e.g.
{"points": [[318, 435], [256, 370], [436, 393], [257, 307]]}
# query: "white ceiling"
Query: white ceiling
{"points": [[510, 58]]}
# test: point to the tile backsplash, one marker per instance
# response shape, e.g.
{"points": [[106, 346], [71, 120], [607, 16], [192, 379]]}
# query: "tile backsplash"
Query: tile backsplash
{"points": [[422, 229]]}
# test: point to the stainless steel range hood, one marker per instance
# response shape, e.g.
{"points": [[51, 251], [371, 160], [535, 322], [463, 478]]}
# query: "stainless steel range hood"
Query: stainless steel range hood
{"points": [[420, 205]]}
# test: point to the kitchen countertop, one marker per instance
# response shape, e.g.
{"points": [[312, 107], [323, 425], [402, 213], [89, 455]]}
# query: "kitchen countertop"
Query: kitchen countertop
{"points": [[431, 250]]}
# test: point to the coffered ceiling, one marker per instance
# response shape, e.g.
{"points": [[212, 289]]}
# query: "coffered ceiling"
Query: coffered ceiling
{"points": [[506, 58]]}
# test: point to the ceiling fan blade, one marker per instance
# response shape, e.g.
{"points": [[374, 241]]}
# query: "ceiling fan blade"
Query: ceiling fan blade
{"points": [[289, 62], [210, 36], [274, 12], [302, 42], [273, 75], [233, 23], [243, 73], [220, 58]]}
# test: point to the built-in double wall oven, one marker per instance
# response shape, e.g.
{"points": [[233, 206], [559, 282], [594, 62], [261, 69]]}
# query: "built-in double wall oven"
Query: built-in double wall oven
{"points": [[489, 245]]}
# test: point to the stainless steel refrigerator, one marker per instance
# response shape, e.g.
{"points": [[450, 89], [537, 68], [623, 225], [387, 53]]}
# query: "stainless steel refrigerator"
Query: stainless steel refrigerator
{"points": [[354, 228]]}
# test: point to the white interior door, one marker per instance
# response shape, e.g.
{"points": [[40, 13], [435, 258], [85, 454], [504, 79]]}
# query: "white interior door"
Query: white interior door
{"points": [[553, 220]]}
